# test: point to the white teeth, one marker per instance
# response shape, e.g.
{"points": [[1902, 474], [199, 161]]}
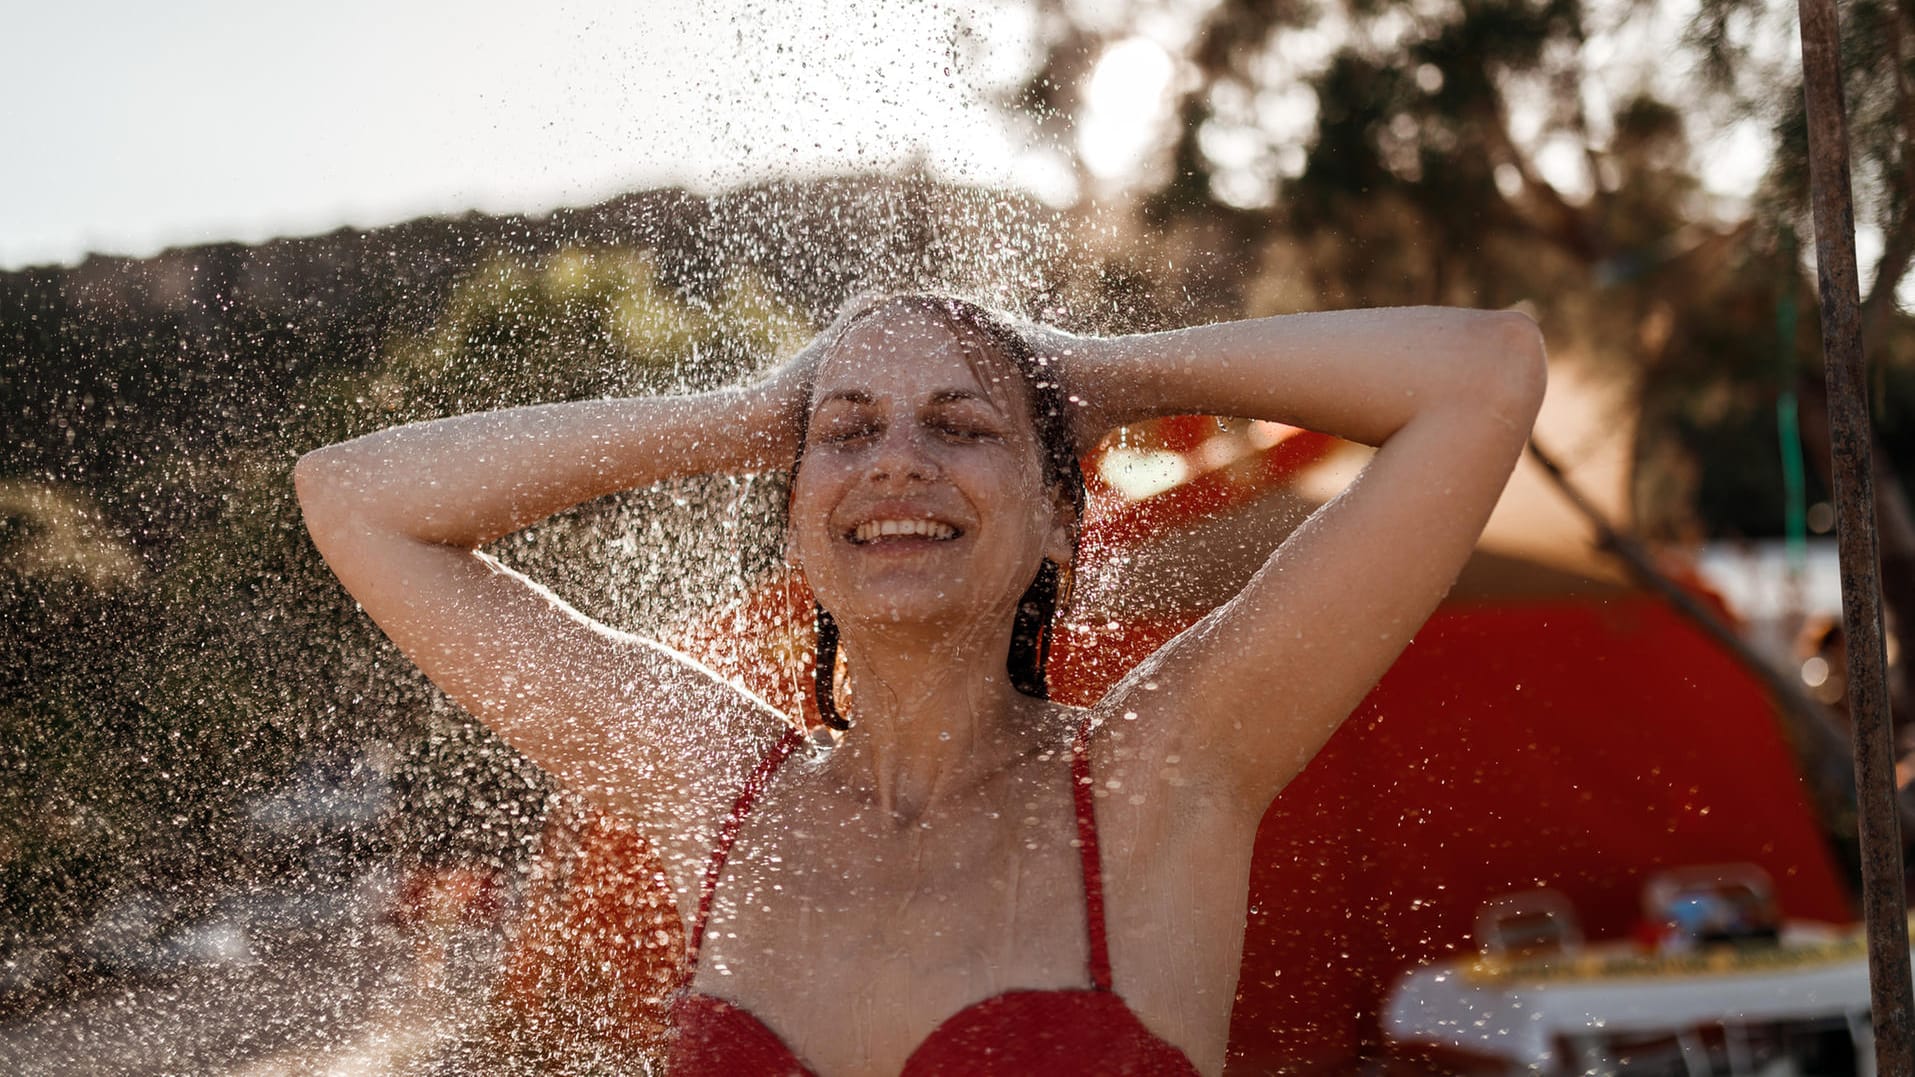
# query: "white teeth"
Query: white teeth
{"points": [[874, 529]]}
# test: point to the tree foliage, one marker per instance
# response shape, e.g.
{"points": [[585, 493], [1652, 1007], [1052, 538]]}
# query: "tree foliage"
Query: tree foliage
{"points": [[1542, 152]]}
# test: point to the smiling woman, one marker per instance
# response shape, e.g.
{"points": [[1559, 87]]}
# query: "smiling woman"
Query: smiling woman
{"points": [[948, 877], [969, 391]]}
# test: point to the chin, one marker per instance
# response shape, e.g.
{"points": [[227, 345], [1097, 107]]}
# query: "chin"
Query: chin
{"points": [[921, 604], [922, 611]]}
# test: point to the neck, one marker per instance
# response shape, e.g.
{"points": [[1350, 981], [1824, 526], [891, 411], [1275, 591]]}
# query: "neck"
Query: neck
{"points": [[933, 716]]}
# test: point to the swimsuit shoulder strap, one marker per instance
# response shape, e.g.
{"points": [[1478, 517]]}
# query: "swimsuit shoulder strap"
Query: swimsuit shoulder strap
{"points": [[728, 833], [1082, 794]]}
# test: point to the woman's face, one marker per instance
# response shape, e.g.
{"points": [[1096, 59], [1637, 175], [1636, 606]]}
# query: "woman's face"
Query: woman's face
{"points": [[921, 498]]}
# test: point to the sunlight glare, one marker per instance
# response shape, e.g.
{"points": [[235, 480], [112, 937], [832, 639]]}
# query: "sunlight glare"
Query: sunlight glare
{"points": [[1125, 98]]}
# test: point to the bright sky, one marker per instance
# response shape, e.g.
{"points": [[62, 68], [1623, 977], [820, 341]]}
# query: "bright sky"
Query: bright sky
{"points": [[134, 126], [129, 127]]}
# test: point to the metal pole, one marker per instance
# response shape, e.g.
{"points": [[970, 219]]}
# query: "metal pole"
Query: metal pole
{"points": [[1884, 900]]}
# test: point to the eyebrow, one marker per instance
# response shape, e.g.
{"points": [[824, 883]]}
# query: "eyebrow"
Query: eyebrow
{"points": [[942, 396], [848, 396], [947, 396]]}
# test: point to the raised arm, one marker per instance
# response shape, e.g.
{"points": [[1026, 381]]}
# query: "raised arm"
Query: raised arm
{"points": [[399, 516], [1448, 396]]}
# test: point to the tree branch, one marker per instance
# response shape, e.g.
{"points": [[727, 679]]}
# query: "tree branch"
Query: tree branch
{"points": [[1548, 211], [1899, 247]]}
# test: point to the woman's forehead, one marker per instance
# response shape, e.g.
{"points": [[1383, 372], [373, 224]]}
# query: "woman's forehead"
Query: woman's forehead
{"points": [[916, 355]]}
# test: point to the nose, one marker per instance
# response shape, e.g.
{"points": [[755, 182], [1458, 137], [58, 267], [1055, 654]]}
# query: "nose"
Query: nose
{"points": [[901, 455]]}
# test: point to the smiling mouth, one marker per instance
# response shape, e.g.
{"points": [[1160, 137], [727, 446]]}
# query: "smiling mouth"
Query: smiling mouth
{"points": [[880, 530]]}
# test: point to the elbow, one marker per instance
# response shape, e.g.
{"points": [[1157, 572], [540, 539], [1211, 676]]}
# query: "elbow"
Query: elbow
{"points": [[1516, 367], [309, 477], [317, 482]]}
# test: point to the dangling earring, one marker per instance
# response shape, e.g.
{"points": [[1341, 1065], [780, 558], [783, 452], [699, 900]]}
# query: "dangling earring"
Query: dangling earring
{"points": [[825, 669]]}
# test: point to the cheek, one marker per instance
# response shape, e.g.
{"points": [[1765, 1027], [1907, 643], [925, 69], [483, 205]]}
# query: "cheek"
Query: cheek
{"points": [[1022, 492], [815, 493]]}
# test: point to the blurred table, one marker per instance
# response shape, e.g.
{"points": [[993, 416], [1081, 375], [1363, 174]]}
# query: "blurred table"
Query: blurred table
{"points": [[1527, 1011]]}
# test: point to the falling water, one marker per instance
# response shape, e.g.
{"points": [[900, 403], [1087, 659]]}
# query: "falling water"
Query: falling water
{"points": [[238, 831]]}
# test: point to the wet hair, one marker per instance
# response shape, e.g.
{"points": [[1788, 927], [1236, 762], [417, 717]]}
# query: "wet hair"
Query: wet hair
{"points": [[1037, 609]]}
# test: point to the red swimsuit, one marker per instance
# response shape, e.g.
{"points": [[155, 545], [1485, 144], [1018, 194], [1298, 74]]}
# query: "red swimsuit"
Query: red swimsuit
{"points": [[1049, 1032]]}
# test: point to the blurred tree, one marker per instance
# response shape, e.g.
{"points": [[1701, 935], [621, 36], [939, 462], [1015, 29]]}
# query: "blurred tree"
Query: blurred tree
{"points": [[1491, 152], [1755, 82]]}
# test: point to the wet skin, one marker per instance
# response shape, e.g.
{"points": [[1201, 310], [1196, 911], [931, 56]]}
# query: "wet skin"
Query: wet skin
{"points": [[926, 862], [913, 423]]}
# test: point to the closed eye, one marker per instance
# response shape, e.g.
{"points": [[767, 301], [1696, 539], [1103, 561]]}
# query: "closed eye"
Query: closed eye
{"points": [[962, 420], [965, 432], [848, 433]]}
